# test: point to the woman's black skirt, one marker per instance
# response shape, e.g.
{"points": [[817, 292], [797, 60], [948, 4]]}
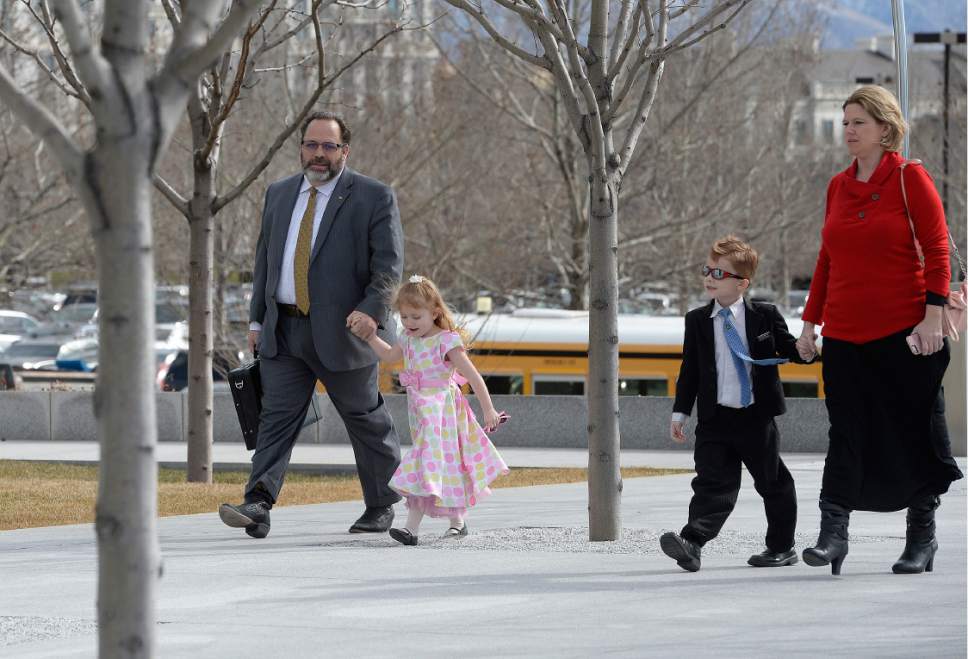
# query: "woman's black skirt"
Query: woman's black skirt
{"points": [[888, 437]]}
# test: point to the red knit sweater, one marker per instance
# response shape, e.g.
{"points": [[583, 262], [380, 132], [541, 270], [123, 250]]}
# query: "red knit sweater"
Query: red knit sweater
{"points": [[868, 282]]}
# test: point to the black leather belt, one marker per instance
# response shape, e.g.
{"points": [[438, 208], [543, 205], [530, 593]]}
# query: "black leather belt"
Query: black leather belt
{"points": [[291, 310]]}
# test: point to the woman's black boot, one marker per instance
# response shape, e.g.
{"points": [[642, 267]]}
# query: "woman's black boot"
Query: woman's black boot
{"points": [[831, 546], [919, 549]]}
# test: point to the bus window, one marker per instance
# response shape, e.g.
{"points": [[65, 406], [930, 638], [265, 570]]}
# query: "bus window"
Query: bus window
{"points": [[643, 387], [800, 389], [504, 384], [550, 385]]}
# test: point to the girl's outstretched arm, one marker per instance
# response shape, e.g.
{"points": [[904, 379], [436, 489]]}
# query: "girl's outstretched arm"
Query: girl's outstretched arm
{"points": [[384, 350], [466, 367]]}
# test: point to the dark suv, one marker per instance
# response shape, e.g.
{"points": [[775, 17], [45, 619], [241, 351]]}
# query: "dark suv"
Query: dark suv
{"points": [[173, 372]]}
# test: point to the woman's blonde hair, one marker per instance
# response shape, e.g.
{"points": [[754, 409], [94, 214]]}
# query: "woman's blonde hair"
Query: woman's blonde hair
{"points": [[421, 293], [881, 104]]}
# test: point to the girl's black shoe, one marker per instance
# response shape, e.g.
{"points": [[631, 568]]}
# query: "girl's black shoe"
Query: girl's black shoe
{"points": [[403, 536]]}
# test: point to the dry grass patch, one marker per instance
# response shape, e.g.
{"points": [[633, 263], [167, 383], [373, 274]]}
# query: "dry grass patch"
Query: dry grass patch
{"points": [[48, 494]]}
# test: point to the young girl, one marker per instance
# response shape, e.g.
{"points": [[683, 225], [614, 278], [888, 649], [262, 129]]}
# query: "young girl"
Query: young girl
{"points": [[452, 462]]}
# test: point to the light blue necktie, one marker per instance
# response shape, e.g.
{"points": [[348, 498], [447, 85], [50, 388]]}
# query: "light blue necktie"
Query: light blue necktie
{"points": [[739, 355]]}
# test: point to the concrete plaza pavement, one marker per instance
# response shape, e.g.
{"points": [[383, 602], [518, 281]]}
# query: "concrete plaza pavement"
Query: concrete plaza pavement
{"points": [[524, 583]]}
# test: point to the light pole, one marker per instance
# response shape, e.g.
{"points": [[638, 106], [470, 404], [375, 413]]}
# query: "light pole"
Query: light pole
{"points": [[948, 38]]}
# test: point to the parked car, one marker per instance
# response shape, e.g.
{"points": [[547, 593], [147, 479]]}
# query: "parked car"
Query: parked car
{"points": [[15, 325], [79, 294], [173, 372], [796, 301], [33, 354], [68, 319], [78, 355]]}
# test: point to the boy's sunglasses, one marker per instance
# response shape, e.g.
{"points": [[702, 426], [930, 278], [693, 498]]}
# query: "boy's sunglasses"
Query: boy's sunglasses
{"points": [[718, 273]]}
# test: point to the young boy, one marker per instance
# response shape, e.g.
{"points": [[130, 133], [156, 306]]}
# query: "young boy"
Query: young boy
{"points": [[729, 364]]}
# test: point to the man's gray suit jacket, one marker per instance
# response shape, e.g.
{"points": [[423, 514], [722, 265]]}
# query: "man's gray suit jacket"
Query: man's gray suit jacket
{"points": [[356, 261]]}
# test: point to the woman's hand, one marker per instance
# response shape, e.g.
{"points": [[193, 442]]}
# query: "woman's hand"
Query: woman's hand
{"points": [[807, 343], [929, 330]]}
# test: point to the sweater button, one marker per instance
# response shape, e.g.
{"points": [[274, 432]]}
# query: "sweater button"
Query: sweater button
{"points": [[861, 215], [875, 196]]}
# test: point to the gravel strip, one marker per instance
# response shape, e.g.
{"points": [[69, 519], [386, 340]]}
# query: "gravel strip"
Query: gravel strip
{"points": [[574, 539], [25, 629]]}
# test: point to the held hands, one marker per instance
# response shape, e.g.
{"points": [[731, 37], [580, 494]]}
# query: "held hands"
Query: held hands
{"points": [[926, 337], [807, 343], [361, 325], [675, 431], [253, 341]]}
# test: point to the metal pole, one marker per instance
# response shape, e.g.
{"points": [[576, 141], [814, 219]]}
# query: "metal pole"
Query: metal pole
{"points": [[900, 55], [944, 139]]}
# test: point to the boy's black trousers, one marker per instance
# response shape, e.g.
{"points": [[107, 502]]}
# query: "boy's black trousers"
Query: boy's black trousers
{"points": [[731, 437]]}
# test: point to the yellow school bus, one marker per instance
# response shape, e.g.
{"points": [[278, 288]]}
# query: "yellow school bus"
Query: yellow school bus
{"points": [[545, 351]]}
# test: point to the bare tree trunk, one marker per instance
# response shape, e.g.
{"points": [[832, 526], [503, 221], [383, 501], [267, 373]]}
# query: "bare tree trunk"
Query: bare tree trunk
{"points": [[200, 338], [604, 476], [220, 274], [134, 117], [117, 198]]}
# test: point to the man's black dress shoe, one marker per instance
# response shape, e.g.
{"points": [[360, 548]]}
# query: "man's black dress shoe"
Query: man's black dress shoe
{"points": [[374, 520], [254, 517], [773, 558], [685, 552]]}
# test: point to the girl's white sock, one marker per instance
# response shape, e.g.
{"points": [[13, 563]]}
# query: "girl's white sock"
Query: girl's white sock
{"points": [[457, 522], [414, 517]]}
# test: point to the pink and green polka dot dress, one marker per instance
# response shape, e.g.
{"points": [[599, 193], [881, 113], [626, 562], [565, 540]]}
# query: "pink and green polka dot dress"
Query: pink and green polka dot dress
{"points": [[452, 461]]}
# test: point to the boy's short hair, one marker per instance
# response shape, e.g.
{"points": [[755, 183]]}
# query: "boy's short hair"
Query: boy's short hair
{"points": [[740, 254]]}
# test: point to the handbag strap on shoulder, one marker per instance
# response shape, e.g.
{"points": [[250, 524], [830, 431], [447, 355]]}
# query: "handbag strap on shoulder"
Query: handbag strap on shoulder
{"points": [[907, 210]]}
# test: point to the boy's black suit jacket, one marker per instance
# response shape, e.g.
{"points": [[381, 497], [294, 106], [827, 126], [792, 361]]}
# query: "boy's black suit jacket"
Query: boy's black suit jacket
{"points": [[767, 336]]}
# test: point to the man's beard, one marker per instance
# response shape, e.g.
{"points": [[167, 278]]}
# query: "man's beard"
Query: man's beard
{"points": [[318, 178]]}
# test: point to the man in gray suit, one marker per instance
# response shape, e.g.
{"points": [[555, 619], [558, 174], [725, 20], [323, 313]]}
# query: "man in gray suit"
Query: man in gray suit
{"points": [[330, 251]]}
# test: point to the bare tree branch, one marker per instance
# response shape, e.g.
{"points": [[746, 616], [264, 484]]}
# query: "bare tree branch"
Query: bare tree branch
{"points": [[92, 69], [35, 56], [477, 14], [172, 195], [240, 74], [43, 124], [288, 130]]}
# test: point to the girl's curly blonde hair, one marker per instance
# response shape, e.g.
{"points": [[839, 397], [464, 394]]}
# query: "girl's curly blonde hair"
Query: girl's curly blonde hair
{"points": [[421, 293]]}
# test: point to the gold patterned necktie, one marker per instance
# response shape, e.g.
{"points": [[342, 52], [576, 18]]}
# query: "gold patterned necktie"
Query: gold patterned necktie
{"points": [[304, 246]]}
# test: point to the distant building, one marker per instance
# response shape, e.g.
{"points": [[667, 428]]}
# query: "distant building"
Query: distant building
{"points": [[398, 74], [838, 72]]}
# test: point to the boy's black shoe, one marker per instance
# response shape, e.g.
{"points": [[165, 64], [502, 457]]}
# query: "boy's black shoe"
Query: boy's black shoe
{"points": [[773, 558], [254, 517], [685, 552]]}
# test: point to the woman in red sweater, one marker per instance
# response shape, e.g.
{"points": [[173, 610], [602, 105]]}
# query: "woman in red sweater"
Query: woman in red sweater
{"points": [[889, 445]]}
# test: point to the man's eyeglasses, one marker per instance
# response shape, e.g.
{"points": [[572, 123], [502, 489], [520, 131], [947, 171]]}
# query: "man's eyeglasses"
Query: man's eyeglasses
{"points": [[328, 147], [719, 273]]}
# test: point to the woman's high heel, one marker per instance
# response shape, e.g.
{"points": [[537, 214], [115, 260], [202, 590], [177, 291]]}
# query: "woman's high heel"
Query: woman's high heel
{"points": [[836, 563], [920, 543], [832, 547]]}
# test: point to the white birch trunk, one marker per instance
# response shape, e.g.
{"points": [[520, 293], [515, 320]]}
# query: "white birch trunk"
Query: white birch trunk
{"points": [[201, 221], [200, 335], [134, 117], [117, 198], [604, 475]]}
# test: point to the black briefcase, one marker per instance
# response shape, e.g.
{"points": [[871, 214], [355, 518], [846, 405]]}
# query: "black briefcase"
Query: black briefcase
{"points": [[246, 386], [246, 389]]}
